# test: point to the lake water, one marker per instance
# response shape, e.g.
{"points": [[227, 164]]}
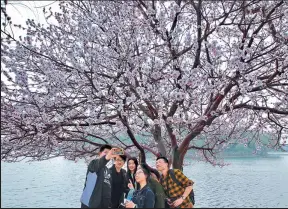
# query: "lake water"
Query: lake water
{"points": [[251, 182]]}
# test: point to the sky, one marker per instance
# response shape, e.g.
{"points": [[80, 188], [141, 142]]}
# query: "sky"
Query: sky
{"points": [[20, 11]]}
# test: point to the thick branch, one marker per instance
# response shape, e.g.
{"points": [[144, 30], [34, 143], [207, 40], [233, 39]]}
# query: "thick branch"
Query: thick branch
{"points": [[157, 154], [252, 107]]}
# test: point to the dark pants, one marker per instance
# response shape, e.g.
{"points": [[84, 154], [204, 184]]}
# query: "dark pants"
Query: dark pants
{"points": [[106, 204], [84, 206]]}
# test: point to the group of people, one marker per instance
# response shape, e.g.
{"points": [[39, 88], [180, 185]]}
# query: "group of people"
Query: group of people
{"points": [[135, 188]]}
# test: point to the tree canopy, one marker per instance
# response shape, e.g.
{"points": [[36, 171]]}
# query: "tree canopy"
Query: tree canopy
{"points": [[169, 73]]}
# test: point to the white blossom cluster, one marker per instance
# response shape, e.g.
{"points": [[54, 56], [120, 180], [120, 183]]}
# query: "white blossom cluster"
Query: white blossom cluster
{"points": [[198, 75]]}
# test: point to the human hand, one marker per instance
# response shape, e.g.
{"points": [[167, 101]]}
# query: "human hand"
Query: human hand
{"points": [[129, 204], [110, 154], [130, 185], [177, 202]]}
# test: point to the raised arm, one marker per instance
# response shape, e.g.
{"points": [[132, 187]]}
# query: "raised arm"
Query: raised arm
{"points": [[97, 165]]}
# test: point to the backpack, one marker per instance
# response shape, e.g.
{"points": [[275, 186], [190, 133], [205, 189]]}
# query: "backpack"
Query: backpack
{"points": [[191, 195]]}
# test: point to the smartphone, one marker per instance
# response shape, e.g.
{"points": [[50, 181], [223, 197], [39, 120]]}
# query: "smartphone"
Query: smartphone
{"points": [[119, 151]]}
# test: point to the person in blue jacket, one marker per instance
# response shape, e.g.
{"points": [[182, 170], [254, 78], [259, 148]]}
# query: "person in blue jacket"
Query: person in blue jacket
{"points": [[144, 196], [97, 188]]}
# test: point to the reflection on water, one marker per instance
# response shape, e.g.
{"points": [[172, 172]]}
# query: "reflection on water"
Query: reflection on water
{"points": [[59, 183]]}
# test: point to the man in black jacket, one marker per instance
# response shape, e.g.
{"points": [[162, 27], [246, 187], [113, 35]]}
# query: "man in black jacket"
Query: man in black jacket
{"points": [[119, 182], [97, 189]]}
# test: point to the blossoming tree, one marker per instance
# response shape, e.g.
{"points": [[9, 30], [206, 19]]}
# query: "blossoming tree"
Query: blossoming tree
{"points": [[155, 76]]}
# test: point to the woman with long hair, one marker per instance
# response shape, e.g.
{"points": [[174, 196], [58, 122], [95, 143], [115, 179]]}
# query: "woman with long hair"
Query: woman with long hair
{"points": [[132, 165]]}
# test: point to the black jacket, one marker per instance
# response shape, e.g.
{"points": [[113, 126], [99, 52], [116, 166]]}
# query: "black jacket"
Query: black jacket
{"points": [[97, 189], [118, 186]]}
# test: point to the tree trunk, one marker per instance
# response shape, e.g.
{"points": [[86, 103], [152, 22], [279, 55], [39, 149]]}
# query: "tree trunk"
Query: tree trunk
{"points": [[158, 139], [177, 159]]}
